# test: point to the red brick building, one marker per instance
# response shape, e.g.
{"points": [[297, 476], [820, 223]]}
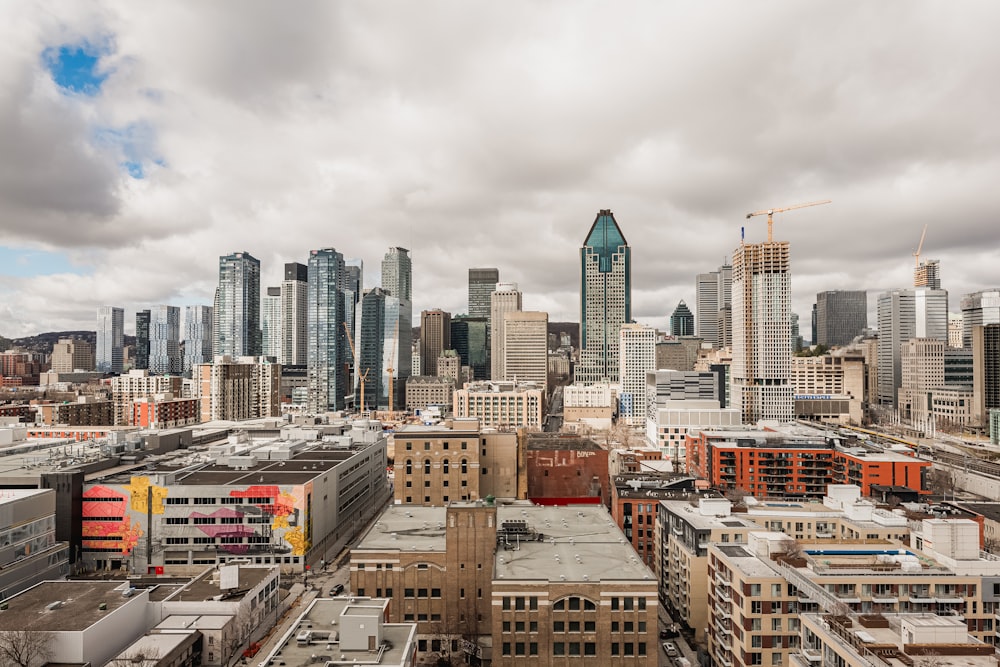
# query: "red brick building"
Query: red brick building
{"points": [[165, 412], [565, 468]]}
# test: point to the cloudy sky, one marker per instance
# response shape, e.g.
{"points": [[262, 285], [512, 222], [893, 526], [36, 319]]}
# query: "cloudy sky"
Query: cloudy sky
{"points": [[140, 141]]}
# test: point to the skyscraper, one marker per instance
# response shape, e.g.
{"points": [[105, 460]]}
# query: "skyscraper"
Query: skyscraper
{"points": [[141, 340], [435, 338], [637, 357], [482, 282], [841, 316], [525, 346], [605, 299], [979, 308], [197, 338], [928, 274], [985, 372], [713, 293], [682, 321], [110, 339], [371, 348], [469, 338], [294, 315], [762, 316], [270, 323], [353, 291], [237, 306], [506, 298], [904, 314], [397, 282], [328, 351], [165, 340]]}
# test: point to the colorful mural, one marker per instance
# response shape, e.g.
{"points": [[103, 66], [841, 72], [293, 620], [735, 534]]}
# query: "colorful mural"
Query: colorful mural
{"points": [[106, 521], [139, 490]]}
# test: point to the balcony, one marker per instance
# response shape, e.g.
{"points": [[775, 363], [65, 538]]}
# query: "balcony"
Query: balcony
{"points": [[721, 582], [723, 595]]}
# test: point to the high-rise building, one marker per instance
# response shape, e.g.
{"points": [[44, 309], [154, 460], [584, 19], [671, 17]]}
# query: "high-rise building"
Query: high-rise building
{"points": [[525, 347], [328, 351], [985, 372], [435, 338], [237, 306], [353, 292], [371, 348], [270, 323], [165, 340], [637, 357], [197, 338], [294, 315], [796, 340], [955, 326], [236, 389], [605, 299], [928, 274], [397, 281], [72, 354], [904, 314], [110, 339], [141, 340], [682, 321], [762, 355], [841, 316], [506, 298], [921, 363], [469, 337], [482, 283], [713, 293], [979, 308]]}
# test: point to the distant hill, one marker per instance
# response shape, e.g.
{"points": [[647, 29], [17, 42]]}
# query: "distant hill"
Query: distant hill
{"points": [[44, 342]]}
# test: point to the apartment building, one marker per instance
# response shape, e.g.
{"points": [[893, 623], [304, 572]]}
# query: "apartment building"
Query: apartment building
{"points": [[502, 404], [634, 501], [239, 388], [84, 412], [512, 584], [126, 389]]}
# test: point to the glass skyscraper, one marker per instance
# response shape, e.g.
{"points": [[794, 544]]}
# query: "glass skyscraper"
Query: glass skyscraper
{"points": [[470, 339], [164, 340], [294, 290], [841, 315], [327, 347], [605, 299], [482, 282], [110, 339], [237, 306], [197, 337], [141, 340], [682, 321], [371, 348], [397, 282], [270, 323]]}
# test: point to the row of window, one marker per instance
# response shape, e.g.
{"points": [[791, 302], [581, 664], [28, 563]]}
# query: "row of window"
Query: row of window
{"points": [[445, 466], [209, 501], [427, 446], [575, 649]]}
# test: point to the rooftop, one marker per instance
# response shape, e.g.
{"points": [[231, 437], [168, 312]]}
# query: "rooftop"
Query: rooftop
{"points": [[407, 527], [68, 606], [741, 558], [207, 585], [556, 441]]}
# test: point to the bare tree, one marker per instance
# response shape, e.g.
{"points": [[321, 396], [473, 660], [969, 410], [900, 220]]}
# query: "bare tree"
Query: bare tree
{"points": [[241, 629], [792, 548], [930, 660], [139, 657], [24, 648], [941, 482], [736, 494]]}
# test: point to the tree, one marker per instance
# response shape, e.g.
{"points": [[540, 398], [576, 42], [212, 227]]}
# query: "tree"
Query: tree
{"points": [[25, 648], [241, 628], [792, 548], [735, 494], [138, 657], [941, 482]]}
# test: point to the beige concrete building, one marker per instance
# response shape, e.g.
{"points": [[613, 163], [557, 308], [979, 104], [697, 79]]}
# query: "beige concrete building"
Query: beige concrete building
{"points": [[455, 461], [449, 365], [830, 387], [514, 584], [593, 406], [423, 391], [525, 347], [502, 404], [85, 412], [136, 384], [679, 354], [241, 388], [71, 354], [505, 299]]}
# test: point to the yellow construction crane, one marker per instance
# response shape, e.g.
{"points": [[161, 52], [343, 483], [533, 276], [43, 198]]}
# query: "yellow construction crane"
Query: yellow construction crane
{"points": [[916, 255], [361, 378], [771, 211], [388, 367]]}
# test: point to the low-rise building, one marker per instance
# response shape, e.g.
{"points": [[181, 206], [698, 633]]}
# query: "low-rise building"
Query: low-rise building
{"points": [[503, 404], [165, 411], [84, 412], [564, 469], [29, 551], [424, 391], [593, 406], [136, 384]]}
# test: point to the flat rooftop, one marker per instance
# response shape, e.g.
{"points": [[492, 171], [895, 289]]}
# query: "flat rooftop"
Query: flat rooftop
{"points": [[324, 615], [79, 609], [206, 586], [746, 562], [561, 441], [407, 527], [692, 515]]}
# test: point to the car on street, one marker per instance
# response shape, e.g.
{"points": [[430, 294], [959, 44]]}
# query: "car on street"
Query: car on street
{"points": [[669, 649], [336, 590]]}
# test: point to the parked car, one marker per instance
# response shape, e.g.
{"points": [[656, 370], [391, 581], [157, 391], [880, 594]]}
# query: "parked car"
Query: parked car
{"points": [[669, 649], [337, 590]]}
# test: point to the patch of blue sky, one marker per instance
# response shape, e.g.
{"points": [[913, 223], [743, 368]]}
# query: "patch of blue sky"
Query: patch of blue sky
{"points": [[74, 67], [24, 263], [134, 144]]}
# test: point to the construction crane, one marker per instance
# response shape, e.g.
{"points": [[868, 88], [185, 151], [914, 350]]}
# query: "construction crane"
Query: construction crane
{"points": [[388, 367], [920, 246], [354, 353], [771, 211]]}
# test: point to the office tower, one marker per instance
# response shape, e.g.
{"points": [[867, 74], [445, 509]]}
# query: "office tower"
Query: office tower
{"points": [[435, 338], [955, 327], [141, 340], [927, 274], [979, 308], [110, 339], [197, 338], [370, 344], [605, 299], [505, 299], [713, 293], [165, 340], [449, 366], [762, 358], [637, 357], [796, 339], [397, 281], [236, 389], [904, 314], [525, 346], [72, 354], [682, 321], [328, 350], [270, 323], [724, 326], [353, 291], [921, 364], [815, 325], [482, 283], [985, 372], [841, 316], [469, 337], [237, 306], [294, 315]]}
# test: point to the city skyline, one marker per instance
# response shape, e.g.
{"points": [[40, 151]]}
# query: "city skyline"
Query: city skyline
{"points": [[130, 168]]}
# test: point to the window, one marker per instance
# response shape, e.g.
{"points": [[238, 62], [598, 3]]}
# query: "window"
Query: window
{"points": [[574, 648], [614, 648], [421, 592], [533, 603], [519, 603], [176, 521], [533, 648], [465, 466], [756, 607], [775, 625], [558, 626], [629, 626], [589, 626], [615, 626], [407, 592], [590, 648], [427, 466], [574, 626], [435, 592], [629, 648], [506, 604], [519, 626], [533, 626], [506, 626], [444, 466], [409, 467], [642, 648], [519, 648], [558, 648], [506, 648]]}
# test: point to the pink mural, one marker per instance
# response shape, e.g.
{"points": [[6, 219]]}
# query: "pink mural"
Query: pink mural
{"points": [[282, 504], [100, 504]]}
